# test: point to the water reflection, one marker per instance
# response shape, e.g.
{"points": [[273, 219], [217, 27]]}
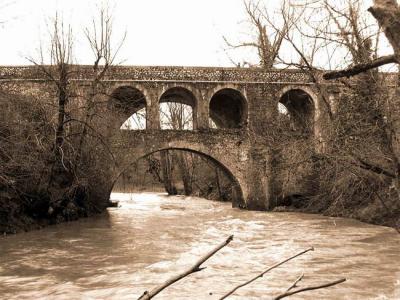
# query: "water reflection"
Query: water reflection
{"points": [[151, 237]]}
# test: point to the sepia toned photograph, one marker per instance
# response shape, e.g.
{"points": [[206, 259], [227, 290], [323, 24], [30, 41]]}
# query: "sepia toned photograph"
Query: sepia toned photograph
{"points": [[200, 149]]}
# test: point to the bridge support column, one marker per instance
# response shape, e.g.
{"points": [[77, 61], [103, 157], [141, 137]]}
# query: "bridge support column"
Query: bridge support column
{"points": [[202, 114], [153, 113], [258, 182]]}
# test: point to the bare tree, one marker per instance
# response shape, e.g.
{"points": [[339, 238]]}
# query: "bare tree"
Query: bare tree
{"points": [[100, 40], [359, 150], [387, 13], [58, 73], [176, 116], [360, 161], [268, 40], [63, 182]]}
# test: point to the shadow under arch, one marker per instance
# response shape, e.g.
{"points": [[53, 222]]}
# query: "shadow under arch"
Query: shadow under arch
{"points": [[179, 94], [300, 105], [126, 100], [228, 108], [237, 195]]}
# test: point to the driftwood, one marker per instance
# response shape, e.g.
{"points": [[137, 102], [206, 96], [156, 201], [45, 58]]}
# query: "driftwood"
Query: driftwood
{"points": [[195, 268], [309, 288], [264, 272]]}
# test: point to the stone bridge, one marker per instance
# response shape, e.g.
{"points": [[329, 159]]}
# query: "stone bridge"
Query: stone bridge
{"points": [[240, 103], [228, 149]]}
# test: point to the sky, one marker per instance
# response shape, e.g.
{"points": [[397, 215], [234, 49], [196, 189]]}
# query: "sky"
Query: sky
{"points": [[159, 32]]}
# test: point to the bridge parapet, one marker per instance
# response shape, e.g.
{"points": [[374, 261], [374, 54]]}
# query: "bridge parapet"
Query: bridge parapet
{"points": [[175, 73], [150, 73]]}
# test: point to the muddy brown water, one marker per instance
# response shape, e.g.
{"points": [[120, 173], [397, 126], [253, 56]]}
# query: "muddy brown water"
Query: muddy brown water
{"points": [[152, 237]]}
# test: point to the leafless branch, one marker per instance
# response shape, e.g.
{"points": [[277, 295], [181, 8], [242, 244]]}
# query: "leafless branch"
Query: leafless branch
{"points": [[195, 268], [294, 284], [361, 68], [264, 272], [309, 288]]}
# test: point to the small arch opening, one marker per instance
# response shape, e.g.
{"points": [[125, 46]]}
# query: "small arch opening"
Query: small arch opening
{"points": [[177, 109], [296, 110], [228, 109], [131, 104]]}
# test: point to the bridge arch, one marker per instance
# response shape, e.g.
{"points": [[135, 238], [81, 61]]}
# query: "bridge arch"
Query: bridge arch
{"points": [[238, 193], [300, 105], [179, 97], [128, 100], [228, 108]]}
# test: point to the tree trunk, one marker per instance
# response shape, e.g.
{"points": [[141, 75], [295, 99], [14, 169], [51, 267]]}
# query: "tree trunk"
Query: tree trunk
{"points": [[167, 173], [62, 100], [387, 13], [59, 176], [184, 171], [218, 184]]}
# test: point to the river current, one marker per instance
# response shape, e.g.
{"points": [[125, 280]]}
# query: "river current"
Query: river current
{"points": [[151, 237]]}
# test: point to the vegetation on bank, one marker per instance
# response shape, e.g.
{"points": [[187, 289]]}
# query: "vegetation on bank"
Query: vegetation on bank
{"points": [[352, 166], [36, 189], [53, 163]]}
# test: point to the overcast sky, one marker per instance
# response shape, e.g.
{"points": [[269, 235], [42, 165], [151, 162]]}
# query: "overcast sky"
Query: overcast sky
{"points": [[159, 32]]}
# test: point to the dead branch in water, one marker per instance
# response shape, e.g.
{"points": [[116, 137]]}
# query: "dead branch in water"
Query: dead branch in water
{"points": [[264, 272], [195, 268], [309, 288]]}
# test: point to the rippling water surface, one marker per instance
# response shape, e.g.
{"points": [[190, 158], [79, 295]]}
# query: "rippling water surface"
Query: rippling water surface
{"points": [[151, 237]]}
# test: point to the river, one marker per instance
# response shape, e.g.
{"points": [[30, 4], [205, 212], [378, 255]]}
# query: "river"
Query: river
{"points": [[152, 237]]}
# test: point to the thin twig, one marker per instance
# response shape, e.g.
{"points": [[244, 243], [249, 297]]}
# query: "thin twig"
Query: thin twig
{"points": [[309, 288], [264, 272], [195, 268], [294, 284]]}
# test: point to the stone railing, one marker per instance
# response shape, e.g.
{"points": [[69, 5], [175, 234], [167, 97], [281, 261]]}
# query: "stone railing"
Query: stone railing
{"points": [[140, 73]]}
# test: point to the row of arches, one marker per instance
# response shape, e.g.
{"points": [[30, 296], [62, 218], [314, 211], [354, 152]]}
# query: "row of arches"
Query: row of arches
{"points": [[228, 108], [178, 108]]}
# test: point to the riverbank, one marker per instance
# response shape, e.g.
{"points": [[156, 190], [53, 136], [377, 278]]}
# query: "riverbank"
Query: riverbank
{"points": [[19, 214], [374, 211]]}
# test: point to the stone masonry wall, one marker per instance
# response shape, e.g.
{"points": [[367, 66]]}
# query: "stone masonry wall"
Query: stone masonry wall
{"points": [[168, 73]]}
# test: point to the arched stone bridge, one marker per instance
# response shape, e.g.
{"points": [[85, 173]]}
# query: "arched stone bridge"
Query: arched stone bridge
{"points": [[227, 149], [240, 104]]}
